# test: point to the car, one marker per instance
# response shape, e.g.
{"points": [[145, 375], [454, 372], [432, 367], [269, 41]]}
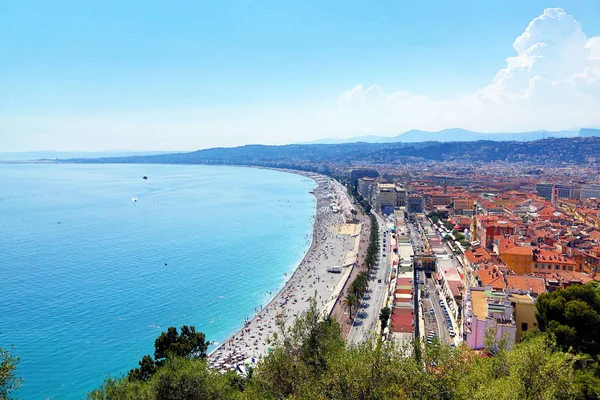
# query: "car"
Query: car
{"points": [[441, 302], [422, 282], [378, 280], [452, 334]]}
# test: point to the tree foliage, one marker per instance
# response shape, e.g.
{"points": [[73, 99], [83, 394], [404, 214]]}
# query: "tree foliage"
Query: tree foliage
{"points": [[572, 317], [310, 361], [384, 316], [172, 344], [9, 381]]}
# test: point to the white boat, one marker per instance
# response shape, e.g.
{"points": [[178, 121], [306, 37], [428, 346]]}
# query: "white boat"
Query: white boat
{"points": [[134, 199]]}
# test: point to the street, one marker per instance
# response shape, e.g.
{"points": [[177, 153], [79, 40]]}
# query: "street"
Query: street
{"points": [[368, 316]]}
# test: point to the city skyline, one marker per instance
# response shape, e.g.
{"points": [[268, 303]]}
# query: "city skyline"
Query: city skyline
{"points": [[200, 76]]}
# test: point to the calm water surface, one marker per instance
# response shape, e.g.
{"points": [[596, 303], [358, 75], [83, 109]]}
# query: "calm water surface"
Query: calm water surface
{"points": [[89, 277]]}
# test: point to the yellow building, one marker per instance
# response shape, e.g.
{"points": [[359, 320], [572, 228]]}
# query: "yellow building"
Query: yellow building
{"points": [[518, 258], [463, 204], [524, 307], [386, 196]]}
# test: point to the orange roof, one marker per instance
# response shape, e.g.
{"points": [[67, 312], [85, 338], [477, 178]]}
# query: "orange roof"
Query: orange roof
{"points": [[491, 276], [477, 255], [517, 250], [552, 257], [525, 283]]}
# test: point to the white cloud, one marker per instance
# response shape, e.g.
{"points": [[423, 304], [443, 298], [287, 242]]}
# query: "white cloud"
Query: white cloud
{"points": [[553, 82]]}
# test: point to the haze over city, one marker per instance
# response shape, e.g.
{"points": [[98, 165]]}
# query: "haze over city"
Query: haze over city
{"points": [[80, 78]]}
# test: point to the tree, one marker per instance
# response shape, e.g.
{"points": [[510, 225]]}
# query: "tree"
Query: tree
{"points": [[384, 317], [187, 344], [572, 317], [9, 382], [145, 371], [350, 302]]}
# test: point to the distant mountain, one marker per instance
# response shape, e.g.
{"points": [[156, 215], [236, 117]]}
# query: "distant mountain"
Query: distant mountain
{"points": [[451, 135], [320, 157], [589, 132], [52, 155]]}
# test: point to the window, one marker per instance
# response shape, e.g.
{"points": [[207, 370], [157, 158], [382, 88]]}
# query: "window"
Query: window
{"points": [[523, 326], [557, 267], [535, 266]]}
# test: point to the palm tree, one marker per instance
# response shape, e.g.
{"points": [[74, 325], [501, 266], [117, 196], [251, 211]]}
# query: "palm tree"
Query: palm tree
{"points": [[350, 302]]}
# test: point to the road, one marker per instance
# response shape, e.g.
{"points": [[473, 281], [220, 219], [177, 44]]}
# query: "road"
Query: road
{"points": [[368, 316], [440, 319]]}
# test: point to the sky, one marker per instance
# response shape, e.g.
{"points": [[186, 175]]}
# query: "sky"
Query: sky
{"points": [[186, 75]]}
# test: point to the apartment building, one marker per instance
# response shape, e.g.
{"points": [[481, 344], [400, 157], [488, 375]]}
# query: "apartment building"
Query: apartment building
{"points": [[487, 310]]}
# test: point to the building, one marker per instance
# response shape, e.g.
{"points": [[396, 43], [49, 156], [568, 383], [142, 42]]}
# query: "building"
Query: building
{"points": [[363, 172], [518, 258], [532, 285], [489, 275], [563, 191], [367, 188], [486, 310], [386, 197], [463, 206], [488, 226], [524, 306], [401, 196], [589, 191], [414, 204], [549, 260]]}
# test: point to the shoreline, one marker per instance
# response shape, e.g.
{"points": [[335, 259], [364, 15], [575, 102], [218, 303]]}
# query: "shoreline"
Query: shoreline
{"points": [[333, 241]]}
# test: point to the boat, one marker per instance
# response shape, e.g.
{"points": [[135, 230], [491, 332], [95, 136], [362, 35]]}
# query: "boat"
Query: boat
{"points": [[134, 199]]}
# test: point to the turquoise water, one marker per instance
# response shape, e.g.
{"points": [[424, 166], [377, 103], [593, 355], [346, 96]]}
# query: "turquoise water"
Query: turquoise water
{"points": [[89, 277]]}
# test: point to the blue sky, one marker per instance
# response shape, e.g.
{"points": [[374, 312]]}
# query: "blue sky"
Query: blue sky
{"points": [[181, 75]]}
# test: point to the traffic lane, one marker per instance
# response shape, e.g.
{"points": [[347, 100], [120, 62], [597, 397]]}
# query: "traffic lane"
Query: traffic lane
{"points": [[368, 315], [440, 316]]}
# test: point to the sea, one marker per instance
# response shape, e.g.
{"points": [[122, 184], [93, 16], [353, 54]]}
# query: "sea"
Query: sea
{"points": [[96, 261]]}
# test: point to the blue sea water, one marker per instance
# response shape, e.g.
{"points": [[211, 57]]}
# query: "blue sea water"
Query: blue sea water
{"points": [[89, 277]]}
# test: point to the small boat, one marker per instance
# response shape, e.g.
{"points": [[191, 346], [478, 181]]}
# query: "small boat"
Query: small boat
{"points": [[145, 177], [134, 199]]}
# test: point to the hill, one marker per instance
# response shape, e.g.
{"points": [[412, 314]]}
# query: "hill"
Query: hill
{"points": [[578, 150], [451, 135]]}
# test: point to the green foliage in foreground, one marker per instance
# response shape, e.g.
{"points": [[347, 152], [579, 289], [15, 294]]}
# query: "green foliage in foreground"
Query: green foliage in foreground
{"points": [[572, 317], [311, 362], [171, 344], [9, 381]]}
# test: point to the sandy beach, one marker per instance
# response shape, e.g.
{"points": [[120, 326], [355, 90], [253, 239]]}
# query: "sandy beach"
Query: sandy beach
{"points": [[334, 242]]}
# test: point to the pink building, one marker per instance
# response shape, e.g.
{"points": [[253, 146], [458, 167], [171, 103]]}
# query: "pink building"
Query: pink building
{"points": [[485, 309]]}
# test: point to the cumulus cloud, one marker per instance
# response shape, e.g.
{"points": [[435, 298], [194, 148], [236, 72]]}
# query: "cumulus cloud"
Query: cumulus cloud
{"points": [[553, 82]]}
